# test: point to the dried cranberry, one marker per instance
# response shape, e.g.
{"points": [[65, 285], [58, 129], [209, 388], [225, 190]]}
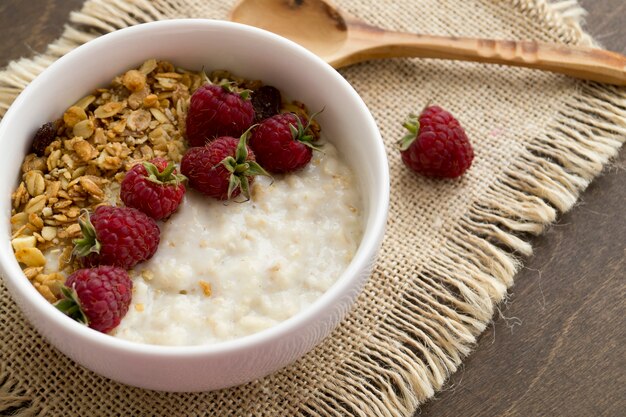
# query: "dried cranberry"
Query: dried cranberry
{"points": [[266, 101], [45, 136]]}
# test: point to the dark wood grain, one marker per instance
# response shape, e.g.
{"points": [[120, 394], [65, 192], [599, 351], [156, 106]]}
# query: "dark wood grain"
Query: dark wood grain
{"points": [[559, 346], [28, 26]]}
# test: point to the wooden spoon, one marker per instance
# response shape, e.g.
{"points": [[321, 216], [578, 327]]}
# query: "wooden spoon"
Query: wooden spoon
{"points": [[342, 39]]}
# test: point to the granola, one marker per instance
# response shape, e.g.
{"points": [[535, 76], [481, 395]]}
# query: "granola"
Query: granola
{"points": [[78, 161]]}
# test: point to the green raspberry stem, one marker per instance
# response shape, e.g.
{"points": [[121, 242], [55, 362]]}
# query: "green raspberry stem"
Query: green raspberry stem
{"points": [[89, 242], [70, 305], [165, 177], [412, 124], [241, 168]]}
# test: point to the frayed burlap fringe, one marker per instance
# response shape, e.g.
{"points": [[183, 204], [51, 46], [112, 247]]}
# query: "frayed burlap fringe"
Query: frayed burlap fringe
{"points": [[405, 363], [431, 324], [13, 398]]}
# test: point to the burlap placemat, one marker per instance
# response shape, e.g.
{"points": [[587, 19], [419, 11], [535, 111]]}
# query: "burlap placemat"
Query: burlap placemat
{"points": [[451, 249]]}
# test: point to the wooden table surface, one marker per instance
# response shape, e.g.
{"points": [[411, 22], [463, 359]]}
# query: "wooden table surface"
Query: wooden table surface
{"points": [[558, 347]]}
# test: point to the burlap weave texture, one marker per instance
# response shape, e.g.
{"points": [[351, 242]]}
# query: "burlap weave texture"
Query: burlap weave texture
{"points": [[451, 249]]}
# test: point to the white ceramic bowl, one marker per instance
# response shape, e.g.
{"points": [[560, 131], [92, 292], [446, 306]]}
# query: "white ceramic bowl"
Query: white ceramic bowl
{"points": [[247, 52]]}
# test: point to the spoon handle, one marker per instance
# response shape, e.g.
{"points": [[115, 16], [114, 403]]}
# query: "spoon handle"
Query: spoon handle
{"points": [[576, 61]]}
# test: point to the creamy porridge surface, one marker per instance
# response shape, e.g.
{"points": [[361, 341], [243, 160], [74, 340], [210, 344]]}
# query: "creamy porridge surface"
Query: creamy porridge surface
{"points": [[226, 270]]}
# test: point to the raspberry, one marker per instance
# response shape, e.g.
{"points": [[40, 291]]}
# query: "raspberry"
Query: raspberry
{"points": [[215, 111], [154, 188], [119, 236], [223, 168], [98, 297], [282, 144], [436, 145]]}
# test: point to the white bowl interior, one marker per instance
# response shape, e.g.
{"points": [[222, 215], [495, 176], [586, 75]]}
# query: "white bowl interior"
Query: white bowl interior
{"points": [[196, 44]]}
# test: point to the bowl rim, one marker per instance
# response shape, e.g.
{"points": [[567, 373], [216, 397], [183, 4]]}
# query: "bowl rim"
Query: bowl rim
{"points": [[367, 250]]}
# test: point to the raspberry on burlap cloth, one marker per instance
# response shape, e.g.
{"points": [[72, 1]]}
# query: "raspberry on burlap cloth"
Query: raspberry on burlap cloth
{"points": [[451, 248]]}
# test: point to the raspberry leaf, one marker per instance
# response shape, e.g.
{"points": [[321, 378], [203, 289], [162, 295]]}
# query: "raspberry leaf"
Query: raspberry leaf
{"points": [[229, 163], [240, 167], [245, 94], [165, 177], [205, 77], [303, 134], [233, 182], [412, 124], [233, 88], [241, 154], [245, 186], [256, 169], [89, 242], [70, 305], [229, 86]]}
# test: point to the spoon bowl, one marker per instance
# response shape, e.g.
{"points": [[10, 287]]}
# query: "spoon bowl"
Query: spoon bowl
{"points": [[342, 39], [313, 24]]}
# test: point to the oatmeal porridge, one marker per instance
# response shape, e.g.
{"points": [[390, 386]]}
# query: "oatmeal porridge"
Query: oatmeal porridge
{"points": [[228, 270]]}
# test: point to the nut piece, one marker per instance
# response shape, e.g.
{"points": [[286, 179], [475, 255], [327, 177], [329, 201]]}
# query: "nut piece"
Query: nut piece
{"points": [[84, 102], [139, 120], [31, 272], [84, 129], [36, 204], [49, 285], [109, 109], [23, 242], [49, 232], [20, 195], [151, 100], [148, 66], [52, 189], [136, 99], [30, 257], [73, 230], [53, 159], [18, 220], [158, 114], [83, 149], [91, 187], [46, 292], [35, 220], [60, 218], [134, 80], [72, 212], [74, 115], [65, 258], [35, 183]]}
